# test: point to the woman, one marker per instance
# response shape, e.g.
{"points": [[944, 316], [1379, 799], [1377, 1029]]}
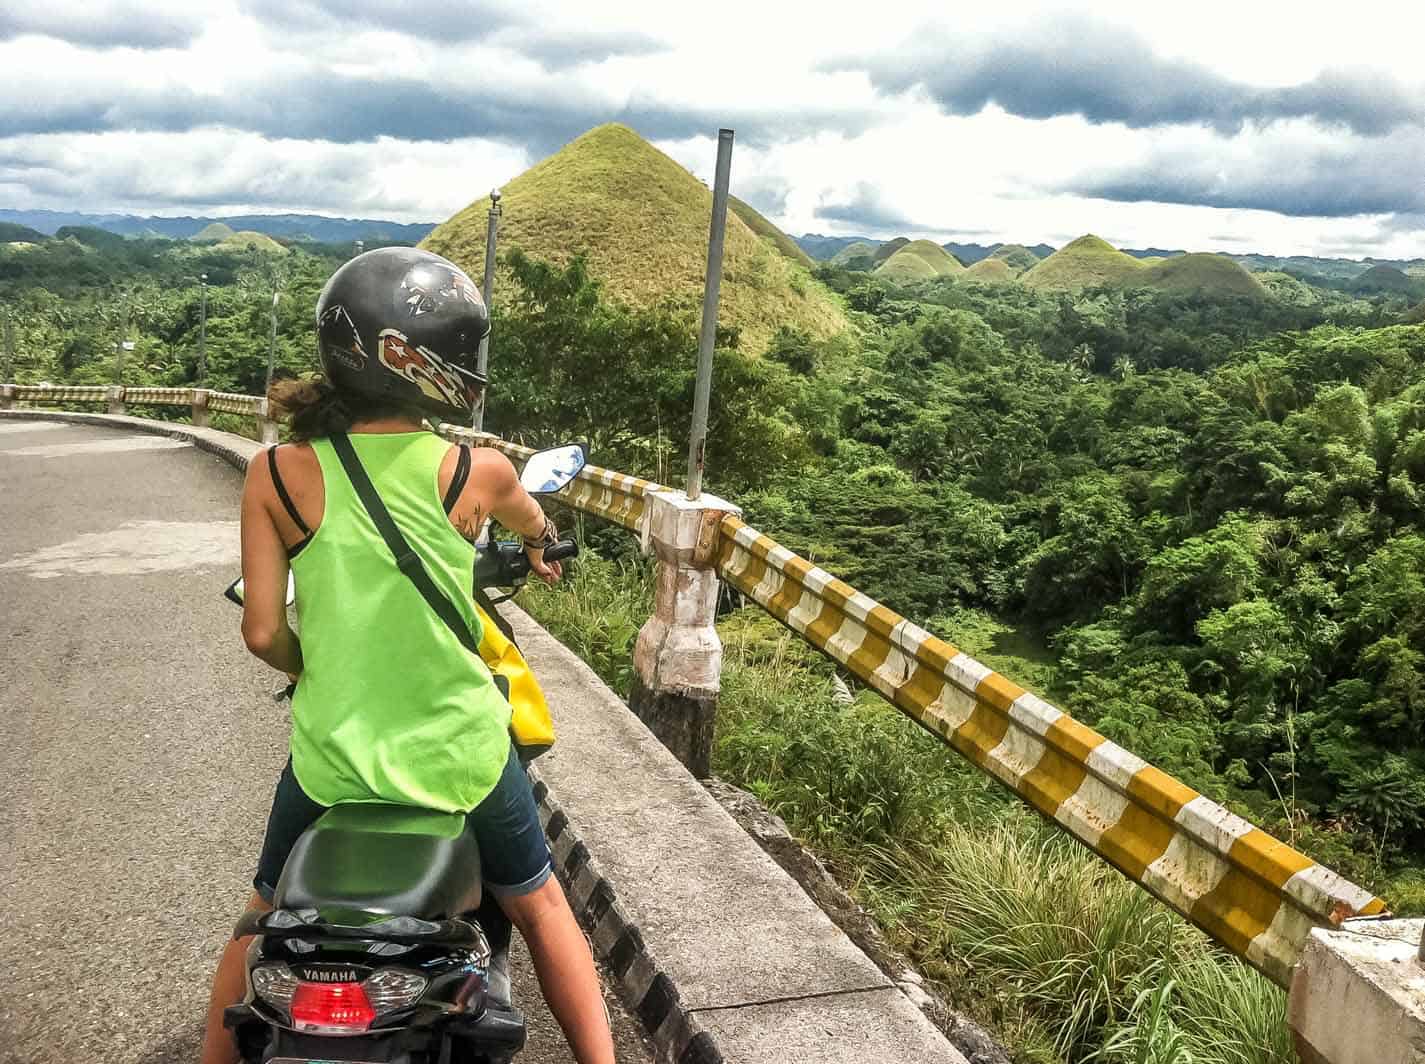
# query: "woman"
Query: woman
{"points": [[388, 705]]}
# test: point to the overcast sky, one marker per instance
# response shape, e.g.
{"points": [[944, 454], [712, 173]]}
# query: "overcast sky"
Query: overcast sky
{"points": [[1206, 125]]}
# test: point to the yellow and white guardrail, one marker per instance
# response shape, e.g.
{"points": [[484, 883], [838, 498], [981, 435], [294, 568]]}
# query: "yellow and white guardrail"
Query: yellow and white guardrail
{"points": [[1254, 894]]}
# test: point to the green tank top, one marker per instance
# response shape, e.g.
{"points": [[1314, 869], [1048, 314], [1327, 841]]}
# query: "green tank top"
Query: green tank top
{"points": [[390, 707]]}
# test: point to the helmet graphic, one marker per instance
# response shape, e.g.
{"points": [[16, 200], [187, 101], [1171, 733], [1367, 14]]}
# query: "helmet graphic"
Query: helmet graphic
{"points": [[404, 325]]}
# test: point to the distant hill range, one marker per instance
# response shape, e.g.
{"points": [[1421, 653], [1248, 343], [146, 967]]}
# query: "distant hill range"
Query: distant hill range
{"points": [[850, 250], [283, 226]]}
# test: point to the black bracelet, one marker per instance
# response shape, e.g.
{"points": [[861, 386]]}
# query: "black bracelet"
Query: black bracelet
{"points": [[546, 539]]}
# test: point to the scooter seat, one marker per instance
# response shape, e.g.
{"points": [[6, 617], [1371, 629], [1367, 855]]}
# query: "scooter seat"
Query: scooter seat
{"points": [[358, 861]]}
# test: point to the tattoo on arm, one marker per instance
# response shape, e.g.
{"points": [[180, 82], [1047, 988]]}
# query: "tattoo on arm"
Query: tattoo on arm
{"points": [[471, 522]]}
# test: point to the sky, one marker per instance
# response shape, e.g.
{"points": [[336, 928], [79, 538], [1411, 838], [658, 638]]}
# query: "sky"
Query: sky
{"points": [[1250, 125]]}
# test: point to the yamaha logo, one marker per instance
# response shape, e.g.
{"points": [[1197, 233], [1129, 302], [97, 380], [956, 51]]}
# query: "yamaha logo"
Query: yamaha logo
{"points": [[328, 974]]}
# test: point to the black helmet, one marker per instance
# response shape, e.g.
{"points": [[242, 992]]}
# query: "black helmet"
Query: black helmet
{"points": [[404, 324]]}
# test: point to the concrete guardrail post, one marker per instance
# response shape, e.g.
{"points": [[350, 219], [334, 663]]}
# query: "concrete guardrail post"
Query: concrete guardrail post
{"points": [[678, 658], [200, 407], [7, 396], [116, 399], [268, 427], [1358, 994]]}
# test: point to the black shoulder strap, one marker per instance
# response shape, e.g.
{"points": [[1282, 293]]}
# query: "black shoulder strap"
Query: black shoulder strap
{"points": [[407, 560], [458, 478], [282, 491]]}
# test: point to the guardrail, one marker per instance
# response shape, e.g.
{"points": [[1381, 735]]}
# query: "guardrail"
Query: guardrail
{"points": [[199, 401], [1257, 896]]}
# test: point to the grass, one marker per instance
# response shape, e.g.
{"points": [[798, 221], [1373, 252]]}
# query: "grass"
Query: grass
{"points": [[1014, 922], [1019, 257], [1087, 261], [905, 266], [1200, 272], [992, 271], [858, 250], [214, 231], [247, 238], [780, 241], [642, 221], [936, 257]]}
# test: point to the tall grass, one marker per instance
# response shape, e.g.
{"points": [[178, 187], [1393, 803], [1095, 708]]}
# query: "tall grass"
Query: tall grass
{"points": [[1016, 923]]}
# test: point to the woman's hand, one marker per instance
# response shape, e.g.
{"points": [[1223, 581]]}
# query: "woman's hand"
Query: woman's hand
{"points": [[549, 572]]}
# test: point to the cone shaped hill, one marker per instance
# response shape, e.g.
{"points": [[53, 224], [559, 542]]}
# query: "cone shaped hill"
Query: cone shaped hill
{"points": [[1199, 272], [641, 220], [920, 260], [1087, 261], [991, 271]]}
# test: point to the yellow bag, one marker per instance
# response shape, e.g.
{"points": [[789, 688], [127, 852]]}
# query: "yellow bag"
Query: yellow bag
{"points": [[531, 726]]}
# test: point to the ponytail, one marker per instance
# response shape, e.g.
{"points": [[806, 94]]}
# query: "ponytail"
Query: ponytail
{"points": [[313, 408]]}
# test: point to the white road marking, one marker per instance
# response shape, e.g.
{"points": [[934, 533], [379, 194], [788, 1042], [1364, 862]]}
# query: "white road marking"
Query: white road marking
{"points": [[135, 548], [28, 426], [108, 446]]}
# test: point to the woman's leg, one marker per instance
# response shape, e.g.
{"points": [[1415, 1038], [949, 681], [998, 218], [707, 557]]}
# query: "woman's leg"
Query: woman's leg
{"points": [[565, 968], [229, 985]]}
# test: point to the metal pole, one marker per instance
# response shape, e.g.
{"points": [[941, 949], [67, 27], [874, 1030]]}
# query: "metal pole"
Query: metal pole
{"points": [[703, 389], [203, 330], [487, 289], [272, 342]]}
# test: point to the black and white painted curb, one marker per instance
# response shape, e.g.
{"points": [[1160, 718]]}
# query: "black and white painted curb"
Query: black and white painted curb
{"points": [[642, 984]]}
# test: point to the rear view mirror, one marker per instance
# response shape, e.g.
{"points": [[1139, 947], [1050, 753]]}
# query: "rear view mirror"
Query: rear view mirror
{"points": [[547, 471], [234, 591]]}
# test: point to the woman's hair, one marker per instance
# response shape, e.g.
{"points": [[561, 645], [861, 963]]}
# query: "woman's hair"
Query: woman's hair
{"points": [[314, 408]]}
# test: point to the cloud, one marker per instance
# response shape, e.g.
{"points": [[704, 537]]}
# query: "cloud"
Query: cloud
{"points": [[560, 49], [121, 24], [863, 208], [767, 194], [447, 20], [1290, 170], [1071, 64], [205, 170]]}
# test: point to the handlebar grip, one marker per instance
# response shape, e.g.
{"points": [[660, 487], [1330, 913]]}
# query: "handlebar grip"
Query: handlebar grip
{"points": [[565, 548]]}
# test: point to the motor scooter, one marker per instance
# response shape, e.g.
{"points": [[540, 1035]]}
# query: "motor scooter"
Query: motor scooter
{"points": [[380, 948]]}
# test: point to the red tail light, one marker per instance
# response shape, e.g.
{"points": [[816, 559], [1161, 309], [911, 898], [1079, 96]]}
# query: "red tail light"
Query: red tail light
{"points": [[331, 1008]]}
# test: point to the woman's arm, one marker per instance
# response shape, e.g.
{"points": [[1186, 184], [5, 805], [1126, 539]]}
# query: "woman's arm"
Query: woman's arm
{"points": [[264, 573], [496, 490]]}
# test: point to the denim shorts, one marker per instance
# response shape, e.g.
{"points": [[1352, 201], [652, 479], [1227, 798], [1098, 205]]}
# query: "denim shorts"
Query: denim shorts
{"points": [[514, 855]]}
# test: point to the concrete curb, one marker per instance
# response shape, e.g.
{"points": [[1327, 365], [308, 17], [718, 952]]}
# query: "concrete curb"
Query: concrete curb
{"points": [[234, 449], [642, 984]]}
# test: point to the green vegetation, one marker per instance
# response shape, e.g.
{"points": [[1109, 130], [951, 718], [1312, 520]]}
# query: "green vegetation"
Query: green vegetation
{"points": [[1016, 925], [1383, 279], [11, 233], [784, 244], [1086, 262], [1198, 273], [641, 222], [252, 241], [1192, 516]]}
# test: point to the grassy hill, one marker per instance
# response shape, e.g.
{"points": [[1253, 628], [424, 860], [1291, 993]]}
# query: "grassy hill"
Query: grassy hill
{"points": [[890, 247], [784, 244], [1087, 261], [247, 239], [1017, 256], [906, 268], [1200, 272], [1285, 288], [13, 233], [641, 220], [214, 231], [858, 250], [992, 271], [1382, 279], [940, 260]]}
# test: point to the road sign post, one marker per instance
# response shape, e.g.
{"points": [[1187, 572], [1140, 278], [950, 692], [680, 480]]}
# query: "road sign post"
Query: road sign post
{"points": [[487, 291], [702, 392]]}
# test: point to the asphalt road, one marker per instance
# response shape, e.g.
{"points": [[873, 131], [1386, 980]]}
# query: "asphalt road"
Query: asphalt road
{"points": [[139, 744]]}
